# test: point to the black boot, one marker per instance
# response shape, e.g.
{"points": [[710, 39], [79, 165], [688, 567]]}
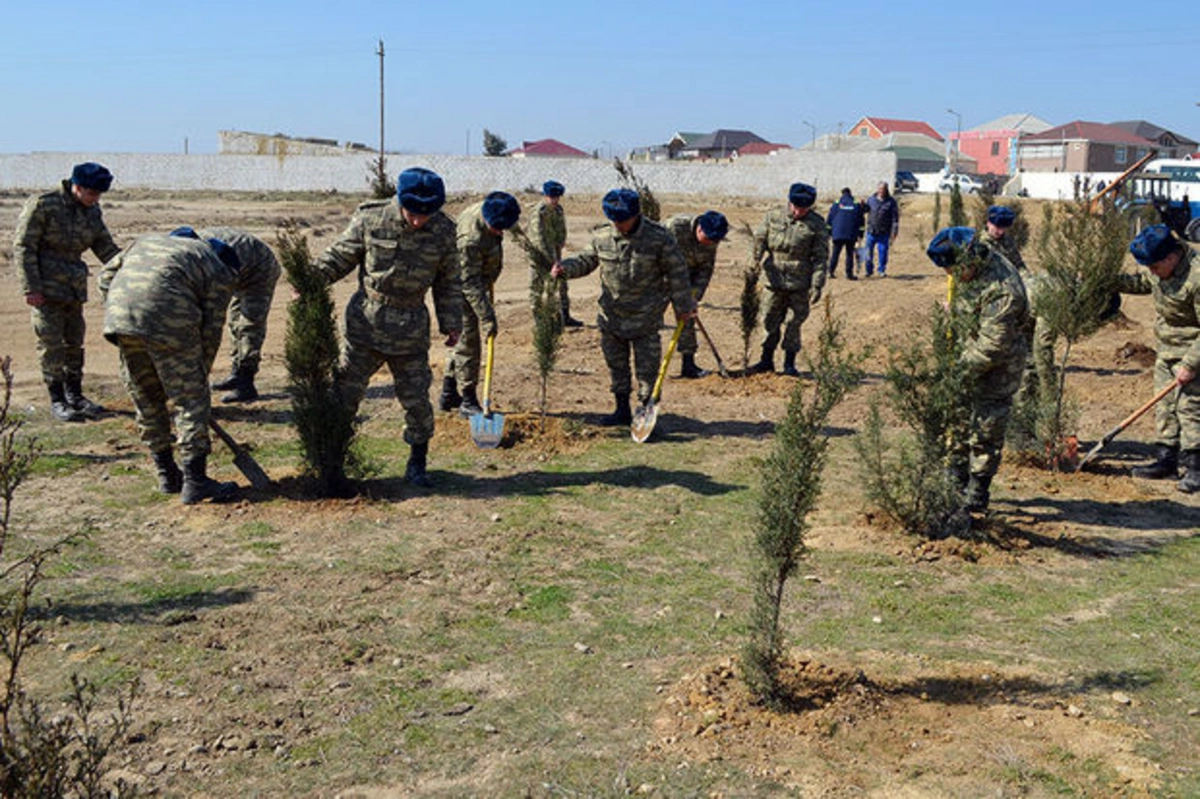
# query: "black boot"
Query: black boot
{"points": [[73, 393], [170, 479], [60, 409], [1165, 467], [1190, 483], [621, 415], [470, 403], [450, 398], [689, 369], [198, 486], [229, 383], [570, 321], [789, 364], [978, 493], [766, 364], [414, 472], [243, 389]]}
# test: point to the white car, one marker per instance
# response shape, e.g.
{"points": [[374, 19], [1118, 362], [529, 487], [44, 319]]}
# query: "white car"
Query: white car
{"points": [[966, 183]]}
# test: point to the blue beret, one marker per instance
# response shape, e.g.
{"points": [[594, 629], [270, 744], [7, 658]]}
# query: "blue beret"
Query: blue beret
{"points": [[1001, 216], [552, 188], [621, 204], [227, 254], [184, 232], [1152, 245], [949, 244], [420, 191], [714, 224], [802, 195], [91, 176], [500, 210]]}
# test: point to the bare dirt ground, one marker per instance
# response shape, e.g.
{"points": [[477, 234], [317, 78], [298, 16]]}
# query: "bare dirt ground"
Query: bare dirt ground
{"points": [[880, 725]]}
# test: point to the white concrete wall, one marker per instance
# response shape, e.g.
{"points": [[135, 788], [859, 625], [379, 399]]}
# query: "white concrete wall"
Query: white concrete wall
{"points": [[752, 176]]}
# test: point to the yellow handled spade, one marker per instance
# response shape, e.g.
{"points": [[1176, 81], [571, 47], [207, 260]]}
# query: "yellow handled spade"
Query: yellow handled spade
{"points": [[487, 428], [646, 415]]}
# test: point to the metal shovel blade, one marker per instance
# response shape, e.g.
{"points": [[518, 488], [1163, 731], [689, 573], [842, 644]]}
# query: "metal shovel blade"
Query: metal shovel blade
{"points": [[643, 422], [242, 459], [487, 429]]}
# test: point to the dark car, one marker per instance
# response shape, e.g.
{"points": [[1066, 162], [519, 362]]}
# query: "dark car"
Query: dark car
{"points": [[905, 181]]}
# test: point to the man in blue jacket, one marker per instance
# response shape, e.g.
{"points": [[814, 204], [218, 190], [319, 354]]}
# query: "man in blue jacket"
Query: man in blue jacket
{"points": [[845, 222]]}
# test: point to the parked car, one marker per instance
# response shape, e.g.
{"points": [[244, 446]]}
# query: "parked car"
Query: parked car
{"points": [[905, 181], [966, 183]]}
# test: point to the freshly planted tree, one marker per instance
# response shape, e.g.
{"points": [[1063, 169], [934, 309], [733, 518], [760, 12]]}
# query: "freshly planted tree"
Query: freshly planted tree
{"points": [[547, 319], [958, 215], [937, 214], [791, 484], [751, 306], [382, 186]]}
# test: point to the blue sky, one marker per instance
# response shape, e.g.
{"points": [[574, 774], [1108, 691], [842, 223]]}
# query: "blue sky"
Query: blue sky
{"points": [[118, 76]]}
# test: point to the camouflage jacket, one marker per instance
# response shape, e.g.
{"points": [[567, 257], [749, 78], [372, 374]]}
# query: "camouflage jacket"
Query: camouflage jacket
{"points": [[795, 250], [996, 343], [168, 290], [1177, 307], [51, 236], [548, 229], [1006, 245], [260, 269], [701, 259], [397, 264], [639, 274], [480, 260]]}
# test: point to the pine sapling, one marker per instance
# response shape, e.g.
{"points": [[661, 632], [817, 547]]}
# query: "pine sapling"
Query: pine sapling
{"points": [[547, 318], [958, 215], [648, 202]]}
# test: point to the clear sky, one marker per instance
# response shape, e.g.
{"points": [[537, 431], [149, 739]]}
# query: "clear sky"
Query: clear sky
{"points": [[123, 76]]}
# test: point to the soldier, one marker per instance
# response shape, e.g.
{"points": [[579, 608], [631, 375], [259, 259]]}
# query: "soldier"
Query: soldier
{"points": [[989, 292], [996, 234], [1176, 290], [792, 247], [480, 260], [52, 233], [164, 307], [252, 295], [697, 238], [548, 230], [400, 250], [641, 268]]}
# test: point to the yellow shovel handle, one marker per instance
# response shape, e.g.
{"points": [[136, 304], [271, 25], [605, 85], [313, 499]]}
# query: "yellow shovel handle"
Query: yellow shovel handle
{"points": [[666, 361], [487, 374]]}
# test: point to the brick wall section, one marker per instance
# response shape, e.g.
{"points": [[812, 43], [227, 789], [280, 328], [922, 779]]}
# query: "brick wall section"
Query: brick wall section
{"points": [[752, 176]]}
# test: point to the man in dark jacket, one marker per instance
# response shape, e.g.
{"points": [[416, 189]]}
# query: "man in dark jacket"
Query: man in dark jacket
{"points": [[883, 226], [845, 222]]}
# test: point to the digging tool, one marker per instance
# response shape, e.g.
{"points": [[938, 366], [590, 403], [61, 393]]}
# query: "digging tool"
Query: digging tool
{"points": [[646, 415], [487, 428], [1128, 420], [242, 459], [716, 355]]}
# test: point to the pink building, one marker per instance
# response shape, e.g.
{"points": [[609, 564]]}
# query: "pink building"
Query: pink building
{"points": [[993, 144]]}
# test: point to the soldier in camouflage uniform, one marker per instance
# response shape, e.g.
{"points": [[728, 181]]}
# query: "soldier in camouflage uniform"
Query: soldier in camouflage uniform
{"points": [[252, 295], [697, 237], [989, 293], [51, 236], [399, 249], [791, 246], [164, 307], [480, 260], [641, 269], [1174, 280], [548, 231]]}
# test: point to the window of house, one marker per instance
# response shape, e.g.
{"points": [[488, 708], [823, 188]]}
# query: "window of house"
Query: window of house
{"points": [[1119, 154], [995, 148], [863, 131]]}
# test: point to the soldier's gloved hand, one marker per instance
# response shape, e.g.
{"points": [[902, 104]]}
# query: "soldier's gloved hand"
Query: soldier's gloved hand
{"points": [[488, 327], [814, 296]]}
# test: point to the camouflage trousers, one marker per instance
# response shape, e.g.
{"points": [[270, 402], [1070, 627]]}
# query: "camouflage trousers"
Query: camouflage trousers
{"points": [[779, 302], [537, 284], [981, 445], [157, 376], [687, 339], [1041, 372], [1176, 416], [463, 361], [646, 351], [60, 329], [248, 327], [411, 378]]}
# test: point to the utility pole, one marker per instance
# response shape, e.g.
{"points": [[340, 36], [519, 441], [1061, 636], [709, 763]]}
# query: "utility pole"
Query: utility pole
{"points": [[380, 54]]}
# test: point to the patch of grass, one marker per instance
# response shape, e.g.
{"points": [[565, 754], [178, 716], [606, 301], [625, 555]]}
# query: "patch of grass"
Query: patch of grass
{"points": [[545, 604]]}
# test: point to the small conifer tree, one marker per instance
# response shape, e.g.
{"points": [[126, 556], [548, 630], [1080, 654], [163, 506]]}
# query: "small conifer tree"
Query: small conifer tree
{"points": [[958, 215], [382, 186], [646, 199], [791, 485], [547, 318], [937, 213], [751, 305], [325, 425]]}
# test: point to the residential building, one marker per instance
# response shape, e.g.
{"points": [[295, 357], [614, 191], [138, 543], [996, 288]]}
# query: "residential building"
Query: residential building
{"points": [[720, 143], [1170, 143], [993, 145], [915, 152], [1082, 147], [547, 148], [878, 127]]}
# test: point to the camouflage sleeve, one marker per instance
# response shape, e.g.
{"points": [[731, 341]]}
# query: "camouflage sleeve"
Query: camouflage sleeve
{"points": [[675, 271], [1000, 323], [582, 264], [107, 273], [447, 293], [28, 236], [556, 233], [103, 245], [474, 287], [703, 276], [1136, 283], [820, 255], [346, 254]]}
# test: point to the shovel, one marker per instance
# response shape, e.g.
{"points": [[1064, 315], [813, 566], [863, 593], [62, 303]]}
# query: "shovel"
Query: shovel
{"points": [[1130, 419], [716, 355], [242, 459], [487, 428], [646, 415]]}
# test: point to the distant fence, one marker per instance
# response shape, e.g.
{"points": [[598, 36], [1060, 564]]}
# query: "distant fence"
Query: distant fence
{"points": [[750, 176]]}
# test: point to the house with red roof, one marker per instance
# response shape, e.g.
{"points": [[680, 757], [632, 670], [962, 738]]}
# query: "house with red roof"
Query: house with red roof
{"points": [[547, 148], [878, 127], [1082, 147]]}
